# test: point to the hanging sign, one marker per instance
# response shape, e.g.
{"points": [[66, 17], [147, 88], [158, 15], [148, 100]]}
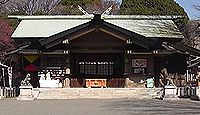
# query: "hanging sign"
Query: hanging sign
{"points": [[139, 63]]}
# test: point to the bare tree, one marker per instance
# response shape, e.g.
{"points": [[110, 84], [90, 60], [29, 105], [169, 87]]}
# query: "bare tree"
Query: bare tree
{"points": [[197, 7], [30, 7], [3, 2], [192, 33], [100, 6]]}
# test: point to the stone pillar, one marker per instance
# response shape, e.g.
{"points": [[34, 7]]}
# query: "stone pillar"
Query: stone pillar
{"points": [[1, 92], [67, 83], [26, 93], [170, 92]]}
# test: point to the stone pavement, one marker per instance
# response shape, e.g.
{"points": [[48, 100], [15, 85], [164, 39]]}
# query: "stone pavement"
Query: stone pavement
{"points": [[99, 107]]}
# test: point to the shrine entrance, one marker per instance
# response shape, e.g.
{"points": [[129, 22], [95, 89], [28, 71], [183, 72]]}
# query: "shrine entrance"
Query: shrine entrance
{"points": [[97, 66]]}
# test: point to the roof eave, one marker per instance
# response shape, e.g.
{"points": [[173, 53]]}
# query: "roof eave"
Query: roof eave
{"points": [[23, 17]]}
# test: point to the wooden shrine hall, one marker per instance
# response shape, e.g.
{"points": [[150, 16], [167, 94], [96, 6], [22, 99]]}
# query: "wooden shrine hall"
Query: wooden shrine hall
{"points": [[110, 48]]}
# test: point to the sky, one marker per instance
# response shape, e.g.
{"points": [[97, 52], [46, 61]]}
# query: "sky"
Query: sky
{"points": [[189, 8]]}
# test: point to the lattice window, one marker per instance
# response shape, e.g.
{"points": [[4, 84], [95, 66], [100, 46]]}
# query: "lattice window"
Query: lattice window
{"points": [[96, 68], [90, 68], [55, 61]]}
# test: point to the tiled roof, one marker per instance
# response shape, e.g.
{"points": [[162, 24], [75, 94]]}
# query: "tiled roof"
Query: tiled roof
{"points": [[46, 26], [149, 27]]}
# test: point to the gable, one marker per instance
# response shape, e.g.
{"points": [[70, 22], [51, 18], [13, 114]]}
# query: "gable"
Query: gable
{"points": [[97, 36], [85, 33]]}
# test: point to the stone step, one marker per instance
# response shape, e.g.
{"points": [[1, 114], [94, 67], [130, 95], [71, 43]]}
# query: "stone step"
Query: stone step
{"points": [[91, 97], [100, 93]]}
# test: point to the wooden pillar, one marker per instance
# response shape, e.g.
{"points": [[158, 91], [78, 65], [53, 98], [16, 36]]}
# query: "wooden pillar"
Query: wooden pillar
{"points": [[126, 67]]}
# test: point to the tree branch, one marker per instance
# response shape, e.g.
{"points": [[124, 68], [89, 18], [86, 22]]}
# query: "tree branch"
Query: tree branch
{"points": [[3, 2]]}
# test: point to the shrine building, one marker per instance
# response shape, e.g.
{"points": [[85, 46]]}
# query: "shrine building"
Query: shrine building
{"points": [[100, 47]]}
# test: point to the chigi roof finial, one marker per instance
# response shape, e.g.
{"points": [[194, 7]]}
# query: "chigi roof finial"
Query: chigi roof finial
{"points": [[83, 11], [106, 12]]}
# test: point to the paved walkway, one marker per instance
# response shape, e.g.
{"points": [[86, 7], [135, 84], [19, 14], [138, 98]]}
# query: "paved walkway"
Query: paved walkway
{"points": [[99, 107]]}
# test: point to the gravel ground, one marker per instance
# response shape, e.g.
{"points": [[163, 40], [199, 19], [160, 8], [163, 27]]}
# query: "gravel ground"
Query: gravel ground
{"points": [[99, 107]]}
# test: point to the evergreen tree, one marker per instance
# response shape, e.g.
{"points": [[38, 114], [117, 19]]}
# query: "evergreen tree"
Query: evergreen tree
{"points": [[152, 7], [155, 7]]}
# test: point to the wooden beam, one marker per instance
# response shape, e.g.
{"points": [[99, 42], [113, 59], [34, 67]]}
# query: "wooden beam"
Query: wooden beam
{"points": [[56, 37], [95, 44], [70, 37], [113, 34], [97, 51], [31, 51], [151, 53], [76, 35]]}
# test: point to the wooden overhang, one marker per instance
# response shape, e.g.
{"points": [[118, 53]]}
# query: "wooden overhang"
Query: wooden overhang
{"points": [[194, 63], [98, 24], [185, 49]]}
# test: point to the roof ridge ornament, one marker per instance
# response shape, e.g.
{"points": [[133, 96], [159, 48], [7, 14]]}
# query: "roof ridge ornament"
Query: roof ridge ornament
{"points": [[83, 11], [108, 10]]}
